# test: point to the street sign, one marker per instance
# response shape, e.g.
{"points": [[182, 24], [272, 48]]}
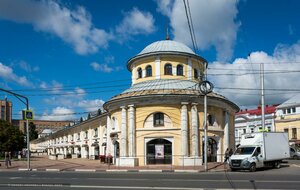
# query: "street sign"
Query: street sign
{"points": [[28, 115]]}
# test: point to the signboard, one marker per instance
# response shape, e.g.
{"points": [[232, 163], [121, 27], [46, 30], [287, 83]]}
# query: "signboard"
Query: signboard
{"points": [[159, 151], [27, 115]]}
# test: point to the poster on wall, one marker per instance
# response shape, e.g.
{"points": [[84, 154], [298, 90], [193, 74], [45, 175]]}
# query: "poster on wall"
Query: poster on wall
{"points": [[159, 151]]}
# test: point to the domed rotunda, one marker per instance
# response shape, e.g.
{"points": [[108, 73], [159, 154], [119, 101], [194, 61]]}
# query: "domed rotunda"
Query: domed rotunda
{"points": [[160, 118]]}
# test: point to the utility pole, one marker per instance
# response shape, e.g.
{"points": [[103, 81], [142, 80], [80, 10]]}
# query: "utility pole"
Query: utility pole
{"points": [[262, 97], [26, 102]]}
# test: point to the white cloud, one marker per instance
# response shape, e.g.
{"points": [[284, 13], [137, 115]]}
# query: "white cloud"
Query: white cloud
{"points": [[73, 26], [91, 105], [7, 73], [59, 114], [213, 20], [281, 72], [101, 67], [104, 67], [27, 67], [136, 22]]}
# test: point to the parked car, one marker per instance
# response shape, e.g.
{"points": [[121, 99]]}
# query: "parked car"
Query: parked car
{"points": [[295, 154]]}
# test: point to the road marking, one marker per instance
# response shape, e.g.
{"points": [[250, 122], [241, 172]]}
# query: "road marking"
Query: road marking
{"points": [[295, 165], [85, 170], [52, 170]]}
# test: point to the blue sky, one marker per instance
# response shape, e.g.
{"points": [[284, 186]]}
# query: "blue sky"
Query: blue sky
{"points": [[69, 56]]}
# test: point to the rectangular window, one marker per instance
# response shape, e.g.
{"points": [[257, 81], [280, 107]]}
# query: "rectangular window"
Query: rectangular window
{"points": [[284, 111], [294, 133], [293, 110], [78, 136], [289, 110], [96, 132], [86, 134], [158, 119], [286, 131], [252, 130], [244, 131]]}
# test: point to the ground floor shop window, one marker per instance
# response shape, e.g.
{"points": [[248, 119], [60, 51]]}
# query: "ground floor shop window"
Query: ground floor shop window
{"points": [[159, 151]]}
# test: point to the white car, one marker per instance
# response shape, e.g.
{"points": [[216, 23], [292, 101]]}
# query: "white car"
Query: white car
{"points": [[295, 154]]}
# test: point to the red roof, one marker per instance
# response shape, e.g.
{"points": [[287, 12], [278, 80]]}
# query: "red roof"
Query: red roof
{"points": [[268, 110]]}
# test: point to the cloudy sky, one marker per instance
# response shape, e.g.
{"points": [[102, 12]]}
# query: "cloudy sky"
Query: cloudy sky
{"points": [[69, 56]]}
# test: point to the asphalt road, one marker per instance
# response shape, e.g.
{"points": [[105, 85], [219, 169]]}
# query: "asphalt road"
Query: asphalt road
{"points": [[287, 177]]}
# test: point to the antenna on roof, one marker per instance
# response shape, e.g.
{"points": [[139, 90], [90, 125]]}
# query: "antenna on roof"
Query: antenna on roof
{"points": [[167, 30]]}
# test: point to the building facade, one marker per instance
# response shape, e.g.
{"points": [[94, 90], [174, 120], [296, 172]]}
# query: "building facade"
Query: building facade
{"points": [[41, 125], [288, 119], [6, 110], [160, 118], [249, 121]]}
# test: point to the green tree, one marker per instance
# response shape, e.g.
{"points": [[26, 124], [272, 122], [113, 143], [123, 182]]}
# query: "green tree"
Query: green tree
{"points": [[33, 134], [11, 138]]}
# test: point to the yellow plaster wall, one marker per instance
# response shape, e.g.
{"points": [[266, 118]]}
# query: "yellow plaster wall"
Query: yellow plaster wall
{"points": [[285, 124], [173, 60]]}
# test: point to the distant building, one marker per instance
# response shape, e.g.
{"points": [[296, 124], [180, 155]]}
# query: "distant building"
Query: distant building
{"points": [[42, 125], [249, 121], [6, 110], [288, 118]]}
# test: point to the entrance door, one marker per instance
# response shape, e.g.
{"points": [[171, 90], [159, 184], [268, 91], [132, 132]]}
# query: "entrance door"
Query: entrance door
{"points": [[159, 151], [212, 148]]}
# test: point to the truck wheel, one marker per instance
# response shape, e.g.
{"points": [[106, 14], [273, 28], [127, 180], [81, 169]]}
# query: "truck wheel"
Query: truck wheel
{"points": [[295, 157], [252, 167], [277, 165]]}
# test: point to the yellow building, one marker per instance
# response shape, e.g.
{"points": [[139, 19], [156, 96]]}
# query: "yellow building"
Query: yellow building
{"points": [[288, 119], [159, 119]]}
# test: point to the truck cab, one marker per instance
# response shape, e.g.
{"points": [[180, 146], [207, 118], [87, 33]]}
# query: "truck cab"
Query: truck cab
{"points": [[247, 157]]}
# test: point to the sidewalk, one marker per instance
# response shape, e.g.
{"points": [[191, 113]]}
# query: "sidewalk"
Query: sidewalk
{"points": [[42, 163]]}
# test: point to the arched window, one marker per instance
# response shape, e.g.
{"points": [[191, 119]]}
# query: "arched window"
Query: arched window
{"points": [[179, 70], [158, 119], [148, 71], [139, 72], [196, 75], [211, 120], [168, 69]]}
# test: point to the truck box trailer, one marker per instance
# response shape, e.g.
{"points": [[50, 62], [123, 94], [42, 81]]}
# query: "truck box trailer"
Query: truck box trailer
{"points": [[258, 150]]}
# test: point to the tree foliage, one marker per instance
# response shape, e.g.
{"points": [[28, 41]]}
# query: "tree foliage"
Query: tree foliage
{"points": [[11, 138], [33, 134]]}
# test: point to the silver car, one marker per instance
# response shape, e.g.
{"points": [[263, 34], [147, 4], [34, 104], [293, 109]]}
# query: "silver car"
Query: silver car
{"points": [[295, 154]]}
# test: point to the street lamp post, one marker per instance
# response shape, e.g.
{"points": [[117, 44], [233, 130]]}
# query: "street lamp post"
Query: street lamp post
{"points": [[206, 87], [26, 102]]}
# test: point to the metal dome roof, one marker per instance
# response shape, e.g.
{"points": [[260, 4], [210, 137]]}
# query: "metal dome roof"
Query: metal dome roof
{"points": [[167, 46]]}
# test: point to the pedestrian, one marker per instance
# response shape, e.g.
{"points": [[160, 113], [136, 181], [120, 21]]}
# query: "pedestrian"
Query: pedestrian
{"points": [[230, 152], [226, 157], [7, 157]]}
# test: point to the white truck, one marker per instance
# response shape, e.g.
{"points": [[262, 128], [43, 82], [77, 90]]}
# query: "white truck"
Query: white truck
{"points": [[259, 150]]}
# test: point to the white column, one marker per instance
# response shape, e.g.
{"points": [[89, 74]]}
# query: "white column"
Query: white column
{"points": [[219, 151], [226, 131], [184, 129], [195, 131], [157, 67], [131, 138], [143, 73], [133, 74], [109, 150], [190, 68], [123, 146], [174, 70]]}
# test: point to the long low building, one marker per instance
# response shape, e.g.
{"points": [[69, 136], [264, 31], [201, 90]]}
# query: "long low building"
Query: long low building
{"points": [[159, 119]]}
